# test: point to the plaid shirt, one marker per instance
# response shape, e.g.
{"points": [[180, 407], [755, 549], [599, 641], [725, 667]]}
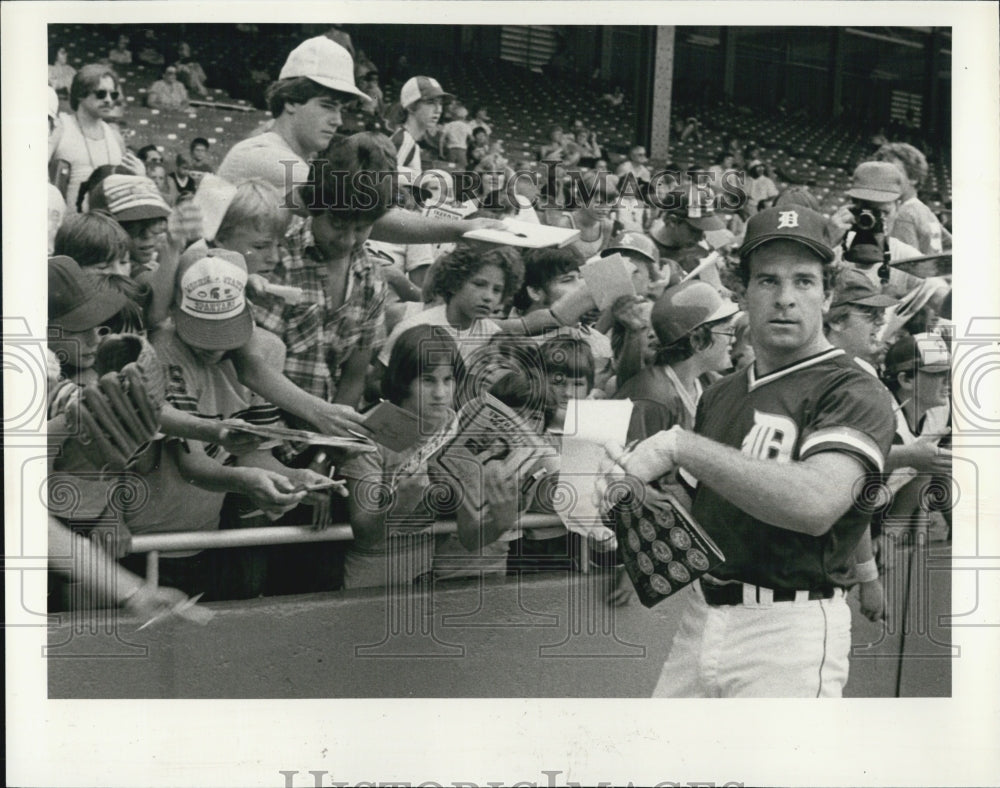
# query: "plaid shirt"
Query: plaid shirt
{"points": [[319, 337]]}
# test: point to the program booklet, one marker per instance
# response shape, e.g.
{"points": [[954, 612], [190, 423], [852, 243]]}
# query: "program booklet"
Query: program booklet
{"points": [[487, 430], [662, 546]]}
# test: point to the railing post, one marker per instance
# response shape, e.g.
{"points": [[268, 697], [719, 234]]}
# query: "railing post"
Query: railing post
{"points": [[153, 568]]}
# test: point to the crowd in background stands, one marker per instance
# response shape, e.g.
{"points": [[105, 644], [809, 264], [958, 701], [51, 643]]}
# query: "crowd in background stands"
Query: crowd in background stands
{"points": [[390, 302]]}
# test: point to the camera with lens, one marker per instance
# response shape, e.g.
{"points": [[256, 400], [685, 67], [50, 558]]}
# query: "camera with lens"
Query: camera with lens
{"points": [[868, 244], [866, 219]]}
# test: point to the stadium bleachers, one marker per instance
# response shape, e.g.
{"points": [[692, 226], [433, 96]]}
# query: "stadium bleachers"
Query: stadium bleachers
{"points": [[523, 105]]}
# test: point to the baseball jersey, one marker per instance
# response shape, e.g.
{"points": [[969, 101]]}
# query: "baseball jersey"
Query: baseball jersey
{"points": [[821, 403]]}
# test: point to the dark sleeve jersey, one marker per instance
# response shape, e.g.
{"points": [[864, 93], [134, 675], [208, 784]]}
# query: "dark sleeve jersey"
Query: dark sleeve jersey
{"points": [[822, 403]]}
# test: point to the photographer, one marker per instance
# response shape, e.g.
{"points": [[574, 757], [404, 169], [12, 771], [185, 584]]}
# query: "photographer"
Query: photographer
{"points": [[863, 227]]}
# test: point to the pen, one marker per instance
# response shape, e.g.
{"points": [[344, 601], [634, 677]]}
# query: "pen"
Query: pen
{"points": [[178, 609]]}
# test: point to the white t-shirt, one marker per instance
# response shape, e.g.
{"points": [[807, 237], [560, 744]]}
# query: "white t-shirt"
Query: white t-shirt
{"points": [[469, 340], [266, 156], [85, 155]]}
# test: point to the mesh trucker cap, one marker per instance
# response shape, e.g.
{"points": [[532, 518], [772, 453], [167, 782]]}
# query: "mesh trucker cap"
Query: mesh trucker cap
{"points": [[420, 88], [799, 224], [212, 311]]}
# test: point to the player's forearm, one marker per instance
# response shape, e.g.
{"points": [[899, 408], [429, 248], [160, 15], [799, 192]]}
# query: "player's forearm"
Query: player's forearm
{"points": [[789, 495], [271, 384], [199, 469], [351, 386], [405, 227], [185, 425], [631, 357]]}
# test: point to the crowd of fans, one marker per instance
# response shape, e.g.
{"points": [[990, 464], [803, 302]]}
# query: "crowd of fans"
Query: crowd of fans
{"points": [[308, 310]]}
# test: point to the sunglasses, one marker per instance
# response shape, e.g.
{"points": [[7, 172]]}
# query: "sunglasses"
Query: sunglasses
{"points": [[103, 94], [727, 333]]}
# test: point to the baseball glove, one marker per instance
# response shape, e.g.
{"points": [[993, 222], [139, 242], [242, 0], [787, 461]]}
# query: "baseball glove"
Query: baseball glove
{"points": [[114, 420]]}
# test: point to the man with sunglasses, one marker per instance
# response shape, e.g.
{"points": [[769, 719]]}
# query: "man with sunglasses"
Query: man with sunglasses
{"points": [[856, 317], [88, 140], [876, 193]]}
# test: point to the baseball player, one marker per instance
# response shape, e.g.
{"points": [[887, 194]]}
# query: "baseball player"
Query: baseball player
{"points": [[777, 455]]}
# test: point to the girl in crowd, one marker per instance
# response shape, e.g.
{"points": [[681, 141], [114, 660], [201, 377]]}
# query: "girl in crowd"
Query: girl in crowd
{"points": [[120, 53], [473, 285], [388, 490], [594, 197], [482, 542]]}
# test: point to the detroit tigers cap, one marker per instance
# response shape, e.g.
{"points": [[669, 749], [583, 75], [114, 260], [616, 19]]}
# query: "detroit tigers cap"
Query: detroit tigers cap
{"points": [[926, 352], [681, 309], [854, 287], [323, 61], [212, 311], [799, 224], [699, 212]]}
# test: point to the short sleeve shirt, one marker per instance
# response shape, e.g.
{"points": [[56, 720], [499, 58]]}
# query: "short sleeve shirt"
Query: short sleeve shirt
{"points": [[822, 403]]}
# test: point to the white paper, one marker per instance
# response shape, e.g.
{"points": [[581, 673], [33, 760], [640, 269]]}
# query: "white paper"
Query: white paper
{"points": [[590, 424], [526, 234]]}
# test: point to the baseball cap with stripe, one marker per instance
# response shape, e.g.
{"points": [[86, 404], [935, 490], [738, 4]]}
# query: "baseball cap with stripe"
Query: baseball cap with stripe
{"points": [[420, 89], [128, 198]]}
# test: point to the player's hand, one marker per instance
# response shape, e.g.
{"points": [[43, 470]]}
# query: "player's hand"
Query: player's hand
{"points": [[501, 491], [574, 305], [270, 491], [872, 598], [306, 477], [184, 225], [148, 603], [343, 420], [236, 442], [257, 285], [628, 313], [133, 164], [928, 457], [651, 458], [840, 222]]}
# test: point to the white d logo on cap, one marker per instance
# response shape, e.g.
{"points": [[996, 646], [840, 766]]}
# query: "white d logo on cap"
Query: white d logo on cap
{"points": [[788, 219]]}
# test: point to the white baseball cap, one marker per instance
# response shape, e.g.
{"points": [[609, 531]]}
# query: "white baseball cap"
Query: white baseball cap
{"points": [[322, 61]]}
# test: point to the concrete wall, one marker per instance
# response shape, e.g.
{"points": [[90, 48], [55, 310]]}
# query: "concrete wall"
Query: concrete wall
{"points": [[547, 636]]}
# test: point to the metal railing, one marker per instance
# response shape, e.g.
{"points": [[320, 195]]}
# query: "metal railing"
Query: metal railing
{"points": [[154, 544]]}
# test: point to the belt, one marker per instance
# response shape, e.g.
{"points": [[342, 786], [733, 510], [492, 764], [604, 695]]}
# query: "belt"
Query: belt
{"points": [[744, 593]]}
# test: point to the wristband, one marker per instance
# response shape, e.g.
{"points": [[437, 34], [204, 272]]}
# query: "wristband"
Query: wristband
{"points": [[866, 571], [556, 317]]}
